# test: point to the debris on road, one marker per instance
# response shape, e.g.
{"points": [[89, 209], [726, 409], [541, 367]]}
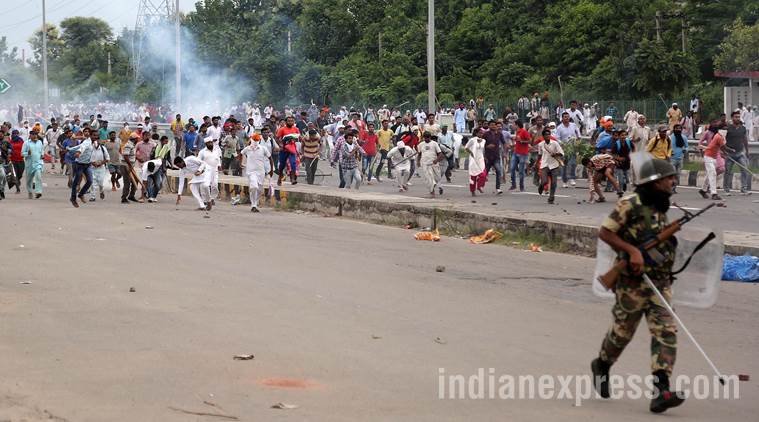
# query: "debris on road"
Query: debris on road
{"points": [[721, 205], [149, 227], [25, 282], [243, 357], [439, 340], [433, 236], [212, 404], [284, 406], [743, 377], [132, 290], [21, 246], [376, 337], [216, 415], [440, 269], [487, 237], [534, 247]]}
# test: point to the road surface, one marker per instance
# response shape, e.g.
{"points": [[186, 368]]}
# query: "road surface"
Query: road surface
{"points": [[349, 321]]}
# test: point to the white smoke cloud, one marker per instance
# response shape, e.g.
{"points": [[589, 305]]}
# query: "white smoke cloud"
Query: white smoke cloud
{"points": [[205, 88]]}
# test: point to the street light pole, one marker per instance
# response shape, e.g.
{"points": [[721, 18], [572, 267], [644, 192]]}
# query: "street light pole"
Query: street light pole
{"points": [[431, 56], [178, 59], [45, 104]]}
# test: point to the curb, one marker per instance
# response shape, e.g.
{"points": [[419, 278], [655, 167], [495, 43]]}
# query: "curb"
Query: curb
{"points": [[463, 219], [697, 177]]}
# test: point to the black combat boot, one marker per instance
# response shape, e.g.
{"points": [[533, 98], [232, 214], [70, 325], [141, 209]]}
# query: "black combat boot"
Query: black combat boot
{"points": [[600, 370], [663, 398]]}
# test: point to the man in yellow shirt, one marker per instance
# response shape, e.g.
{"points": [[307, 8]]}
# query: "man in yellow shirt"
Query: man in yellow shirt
{"points": [[660, 146], [124, 133], [177, 128], [674, 115], [384, 137]]}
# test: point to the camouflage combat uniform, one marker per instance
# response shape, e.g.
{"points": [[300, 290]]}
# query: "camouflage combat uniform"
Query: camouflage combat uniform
{"points": [[635, 223]]}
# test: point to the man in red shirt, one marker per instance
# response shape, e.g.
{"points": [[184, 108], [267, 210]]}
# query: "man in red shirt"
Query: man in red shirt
{"points": [[358, 124], [521, 155], [411, 140], [286, 137], [17, 160], [369, 143]]}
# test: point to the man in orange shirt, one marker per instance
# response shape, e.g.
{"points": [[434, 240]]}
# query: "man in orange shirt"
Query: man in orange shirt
{"points": [[286, 137]]}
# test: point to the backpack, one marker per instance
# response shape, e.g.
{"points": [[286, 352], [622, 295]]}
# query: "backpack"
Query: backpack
{"points": [[629, 145], [656, 142]]}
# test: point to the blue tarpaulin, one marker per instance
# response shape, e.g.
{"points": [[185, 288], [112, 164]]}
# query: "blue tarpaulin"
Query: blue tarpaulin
{"points": [[740, 268]]}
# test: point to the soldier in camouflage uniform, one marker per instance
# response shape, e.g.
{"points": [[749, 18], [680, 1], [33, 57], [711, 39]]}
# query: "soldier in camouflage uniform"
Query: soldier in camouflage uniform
{"points": [[635, 219]]}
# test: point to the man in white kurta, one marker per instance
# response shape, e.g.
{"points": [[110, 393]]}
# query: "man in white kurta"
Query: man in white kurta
{"points": [[631, 118], [257, 157], [99, 167], [194, 168], [212, 157], [429, 156], [747, 116], [401, 157], [476, 161], [589, 114]]}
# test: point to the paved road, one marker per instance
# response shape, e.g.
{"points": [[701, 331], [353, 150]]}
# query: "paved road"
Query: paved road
{"points": [[346, 313], [740, 214]]}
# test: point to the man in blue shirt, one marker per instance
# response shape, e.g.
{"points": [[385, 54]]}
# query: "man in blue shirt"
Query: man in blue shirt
{"points": [[679, 149], [82, 161], [68, 156], [191, 141], [604, 141]]}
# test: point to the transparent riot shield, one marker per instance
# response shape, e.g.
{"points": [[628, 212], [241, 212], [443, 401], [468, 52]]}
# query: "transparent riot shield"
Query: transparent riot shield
{"points": [[697, 286]]}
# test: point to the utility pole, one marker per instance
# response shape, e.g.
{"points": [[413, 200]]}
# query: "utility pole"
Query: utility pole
{"points": [[431, 56], [177, 52], [683, 31], [289, 42], [44, 62], [379, 46], [109, 63], [658, 26]]}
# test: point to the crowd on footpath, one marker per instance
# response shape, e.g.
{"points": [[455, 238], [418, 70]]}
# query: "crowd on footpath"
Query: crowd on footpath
{"points": [[365, 146]]}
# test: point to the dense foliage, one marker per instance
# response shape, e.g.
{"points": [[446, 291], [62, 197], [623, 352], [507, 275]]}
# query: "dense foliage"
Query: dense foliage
{"points": [[374, 51]]}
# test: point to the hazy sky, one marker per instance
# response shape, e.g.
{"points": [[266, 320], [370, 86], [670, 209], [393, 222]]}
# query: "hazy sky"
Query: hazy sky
{"points": [[22, 17]]}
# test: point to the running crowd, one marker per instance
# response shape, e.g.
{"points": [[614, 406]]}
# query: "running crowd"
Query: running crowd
{"points": [[271, 146]]}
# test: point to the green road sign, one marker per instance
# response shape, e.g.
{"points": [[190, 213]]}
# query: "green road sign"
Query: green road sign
{"points": [[4, 86]]}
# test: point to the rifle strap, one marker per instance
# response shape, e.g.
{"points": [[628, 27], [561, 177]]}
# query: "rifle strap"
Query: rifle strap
{"points": [[703, 243]]}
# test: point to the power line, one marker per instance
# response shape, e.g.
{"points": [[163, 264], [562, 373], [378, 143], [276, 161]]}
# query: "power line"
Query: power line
{"points": [[39, 15]]}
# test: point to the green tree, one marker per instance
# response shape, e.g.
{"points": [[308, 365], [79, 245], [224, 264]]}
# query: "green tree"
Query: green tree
{"points": [[83, 32], [55, 45], [327, 27], [739, 51], [659, 69]]}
